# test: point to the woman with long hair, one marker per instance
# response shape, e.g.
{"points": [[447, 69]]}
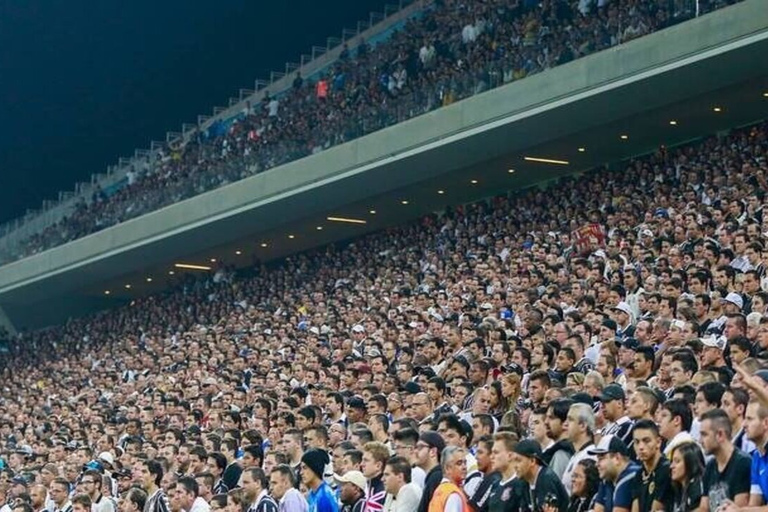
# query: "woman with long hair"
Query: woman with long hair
{"points": [[498, 402], [687, 469], [511, 390], [585, 480]]}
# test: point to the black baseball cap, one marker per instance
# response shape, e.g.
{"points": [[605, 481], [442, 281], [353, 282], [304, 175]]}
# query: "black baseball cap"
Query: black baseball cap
{"points": [[530, 448], [612, 392], [629, 343]]}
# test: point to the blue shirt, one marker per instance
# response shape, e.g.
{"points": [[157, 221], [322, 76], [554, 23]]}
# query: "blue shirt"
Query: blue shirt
{"points": [[322, 499], [620, 494], [759, 472]]}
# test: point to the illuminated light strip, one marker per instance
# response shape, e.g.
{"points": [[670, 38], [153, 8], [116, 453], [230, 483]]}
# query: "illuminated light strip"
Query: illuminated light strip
{"points": [[191, 267], [348, 221], [545, 160]]}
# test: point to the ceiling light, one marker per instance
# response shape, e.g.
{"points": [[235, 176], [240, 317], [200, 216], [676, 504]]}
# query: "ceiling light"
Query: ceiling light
{"points": [[404, 201], [372, 212], [149, 279], [319, 228], [673, 122], [264, 244], [190, 266], [624, 137], [474, 182], [291, 236], [127, 287], [213, 260], [171, 272], [511, 171], [441, 192], [107, 292], [348, 220], [545, 160], [765, 94], [238, 252], [717, 109], [582, 150]]}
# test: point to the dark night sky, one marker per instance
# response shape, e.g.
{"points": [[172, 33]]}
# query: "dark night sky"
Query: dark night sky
{"points": [[83, 83]]}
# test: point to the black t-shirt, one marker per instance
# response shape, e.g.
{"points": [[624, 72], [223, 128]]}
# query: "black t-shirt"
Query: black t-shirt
{"points": [[548, 489], [734, 480], [654, 486], [431, 482], [506, 496], [481, 497], [689, 498]]}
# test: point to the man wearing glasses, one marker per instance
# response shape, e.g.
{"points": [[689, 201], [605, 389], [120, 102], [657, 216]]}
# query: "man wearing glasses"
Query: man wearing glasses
{"points": [[91, 483]]}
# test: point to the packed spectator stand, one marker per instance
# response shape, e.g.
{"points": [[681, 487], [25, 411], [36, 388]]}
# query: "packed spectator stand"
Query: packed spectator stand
{"points": [[453, 50], [487, 358]]}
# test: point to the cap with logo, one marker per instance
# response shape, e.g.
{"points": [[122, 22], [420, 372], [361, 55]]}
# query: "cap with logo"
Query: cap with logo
{"points": [[609, 444]]}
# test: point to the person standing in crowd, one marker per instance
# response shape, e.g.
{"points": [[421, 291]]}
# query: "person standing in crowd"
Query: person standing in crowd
{"points": [[653, 484], [617, 473], [428, 452], [505, 494], [60, 496], [479, 492], [191, 500], [320, 497], [256, 491], [581, 428], [687, 470], [352, 491], [727, 473], [449, 495], [91, 482], [402, 494], [585, 482], [149, 473], [375, 456], [283, 489], [544, 488]]}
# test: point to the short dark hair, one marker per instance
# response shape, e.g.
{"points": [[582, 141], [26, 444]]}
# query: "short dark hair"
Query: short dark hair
{"points": [[713, 392], [255, 451], [156, 468], [542, 376], [647, 425], [677, 407], [719, 419], [219, 459], [400, 466], [137, 496], [409, 435], [687, 361], [258, 475], [356, 456], [82, 499], [286, 471], [189, 484], [560, 407], [308, 412]]}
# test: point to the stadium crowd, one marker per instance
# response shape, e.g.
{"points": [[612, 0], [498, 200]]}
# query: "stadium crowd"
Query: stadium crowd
{"points": [[455, 49], [490, 358]]}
